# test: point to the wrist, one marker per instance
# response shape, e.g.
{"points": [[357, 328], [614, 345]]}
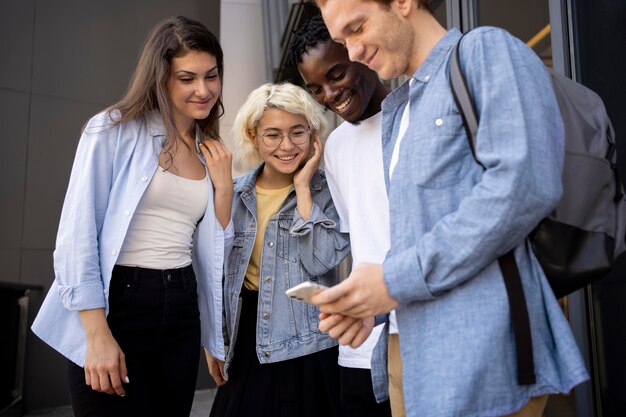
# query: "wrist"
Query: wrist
{"points": [[301, 187], [223, 190]]}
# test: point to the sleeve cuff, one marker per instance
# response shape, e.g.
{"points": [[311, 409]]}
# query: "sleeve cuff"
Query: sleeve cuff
{"points": [[301, 227], [404, 279], [86, 296]]}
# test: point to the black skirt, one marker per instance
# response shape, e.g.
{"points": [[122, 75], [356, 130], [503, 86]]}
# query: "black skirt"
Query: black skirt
{"points": [[304, 386]]}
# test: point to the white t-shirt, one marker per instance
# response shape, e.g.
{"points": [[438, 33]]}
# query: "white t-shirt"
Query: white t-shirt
{"points": [[353, 158]]}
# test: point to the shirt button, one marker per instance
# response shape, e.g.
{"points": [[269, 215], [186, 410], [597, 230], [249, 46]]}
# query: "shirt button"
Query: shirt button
{"points": [[266, 316], [127, 212], [113, 252], [439, 122], [267, 279], [427, 77], [270, 244], [267, 354], [144, 178]]}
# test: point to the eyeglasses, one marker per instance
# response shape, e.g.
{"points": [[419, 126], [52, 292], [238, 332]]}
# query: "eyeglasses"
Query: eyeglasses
{"points": [[298, 136]]}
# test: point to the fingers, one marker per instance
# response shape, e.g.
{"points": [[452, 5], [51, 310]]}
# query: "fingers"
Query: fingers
{"points": [[107, 375], [222, 375], [104, 378], [329, 321], [336, 325], [317, 146], [214, 150], [87, 377], [107, 380], [115, 384], [123, 374], [219, 163], [348, 330], [349, 333], [216, 368], [332, 295], [362, 335]]}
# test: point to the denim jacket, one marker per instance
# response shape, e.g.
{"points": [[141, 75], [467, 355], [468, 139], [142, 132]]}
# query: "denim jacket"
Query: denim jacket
{"points": [[111, 172], [294, 251]]}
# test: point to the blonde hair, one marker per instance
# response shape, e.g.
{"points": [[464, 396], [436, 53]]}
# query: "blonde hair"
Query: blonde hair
{"points": [[286, 97]]}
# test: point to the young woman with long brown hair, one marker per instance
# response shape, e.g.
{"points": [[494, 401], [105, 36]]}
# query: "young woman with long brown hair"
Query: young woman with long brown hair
{"points": [[140, 247]]}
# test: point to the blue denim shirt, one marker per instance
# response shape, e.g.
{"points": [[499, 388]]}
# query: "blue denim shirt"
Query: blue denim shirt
{"points": [[294, 251], [112, 169], [450, 221]]}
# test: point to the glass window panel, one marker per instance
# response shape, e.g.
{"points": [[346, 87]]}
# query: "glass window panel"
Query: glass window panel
{"points": [[528, 20]]}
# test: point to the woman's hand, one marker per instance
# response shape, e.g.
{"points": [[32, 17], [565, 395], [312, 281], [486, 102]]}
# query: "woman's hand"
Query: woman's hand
{"points": [[105, 363], [216, 368], [302, 180], [305, 174], [219, 163]]}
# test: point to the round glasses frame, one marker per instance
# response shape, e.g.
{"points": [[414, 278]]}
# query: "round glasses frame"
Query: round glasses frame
{"points": [[297, 136]]}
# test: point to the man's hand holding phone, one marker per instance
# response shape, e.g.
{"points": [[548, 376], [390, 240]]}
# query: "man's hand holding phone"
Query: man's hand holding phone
{"points": [[305, 290]]}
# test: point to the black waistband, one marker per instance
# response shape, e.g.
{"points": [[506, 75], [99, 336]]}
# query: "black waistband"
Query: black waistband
{"points": [[173, 273]]}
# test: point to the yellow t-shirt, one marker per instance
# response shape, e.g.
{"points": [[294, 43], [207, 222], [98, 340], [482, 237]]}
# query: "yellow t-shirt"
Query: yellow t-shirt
{"points": [[267, 204]]}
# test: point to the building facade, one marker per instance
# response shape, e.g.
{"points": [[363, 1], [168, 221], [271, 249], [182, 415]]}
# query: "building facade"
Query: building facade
{"points": [[63, 61]]}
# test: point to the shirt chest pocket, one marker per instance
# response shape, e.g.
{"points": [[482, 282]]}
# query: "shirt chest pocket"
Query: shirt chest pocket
{"points": [[438, 155], [287, 244]]}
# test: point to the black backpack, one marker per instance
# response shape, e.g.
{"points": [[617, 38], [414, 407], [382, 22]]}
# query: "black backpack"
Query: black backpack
{"points": [[578, 243]]}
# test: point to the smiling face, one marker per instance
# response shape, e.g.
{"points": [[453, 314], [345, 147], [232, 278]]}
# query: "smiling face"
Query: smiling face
{"points": [[282, 162], [194, 87], [343, 86], [375, 34]]}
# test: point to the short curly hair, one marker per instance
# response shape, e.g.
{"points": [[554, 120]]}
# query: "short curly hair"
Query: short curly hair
{"points": [[308, 36]]}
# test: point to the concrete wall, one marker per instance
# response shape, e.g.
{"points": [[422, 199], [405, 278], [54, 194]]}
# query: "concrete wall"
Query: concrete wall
{"points": [[61, 62], [241, 35]]}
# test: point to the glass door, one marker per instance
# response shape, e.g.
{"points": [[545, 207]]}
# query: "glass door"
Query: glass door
{"points": [[599, 36], [543, 25]]}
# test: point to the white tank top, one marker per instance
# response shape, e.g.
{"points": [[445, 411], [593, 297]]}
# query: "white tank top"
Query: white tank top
{"points": [[160, 233]]}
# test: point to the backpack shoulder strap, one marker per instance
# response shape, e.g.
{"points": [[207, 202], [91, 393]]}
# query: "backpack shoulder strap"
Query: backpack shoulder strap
{"points": [[463, 98], [507, 263]]}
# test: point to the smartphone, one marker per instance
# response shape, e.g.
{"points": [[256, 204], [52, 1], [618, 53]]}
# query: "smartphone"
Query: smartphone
{"points": [[304, 291]]}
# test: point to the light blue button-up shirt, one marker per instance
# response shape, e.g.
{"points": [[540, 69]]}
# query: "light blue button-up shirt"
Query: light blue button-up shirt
{"points": [[450, 221], [112, 169]]}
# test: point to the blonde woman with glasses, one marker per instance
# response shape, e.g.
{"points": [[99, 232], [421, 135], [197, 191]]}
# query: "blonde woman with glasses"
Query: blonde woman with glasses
{"points": [[278, 363]]}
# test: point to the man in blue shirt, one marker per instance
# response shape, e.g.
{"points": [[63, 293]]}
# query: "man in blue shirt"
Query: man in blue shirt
{"points": [[450, 219]]}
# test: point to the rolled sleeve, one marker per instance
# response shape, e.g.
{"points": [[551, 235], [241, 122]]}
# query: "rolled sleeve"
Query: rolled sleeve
{"points": [[404, 279], [301, 227], [86, 296]]}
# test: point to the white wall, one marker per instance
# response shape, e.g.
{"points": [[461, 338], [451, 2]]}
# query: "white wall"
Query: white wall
{"points": [[241, 37]]}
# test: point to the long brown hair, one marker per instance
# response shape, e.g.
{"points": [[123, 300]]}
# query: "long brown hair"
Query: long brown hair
{"points": [[170, 38]]}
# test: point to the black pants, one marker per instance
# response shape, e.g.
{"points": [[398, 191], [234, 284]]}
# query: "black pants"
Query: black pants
{"points": [[154, 318], [357, 394]]}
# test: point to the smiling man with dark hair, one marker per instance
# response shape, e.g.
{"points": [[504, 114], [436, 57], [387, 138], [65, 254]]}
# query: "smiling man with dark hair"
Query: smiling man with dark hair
{"points": [[354, 169]]}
